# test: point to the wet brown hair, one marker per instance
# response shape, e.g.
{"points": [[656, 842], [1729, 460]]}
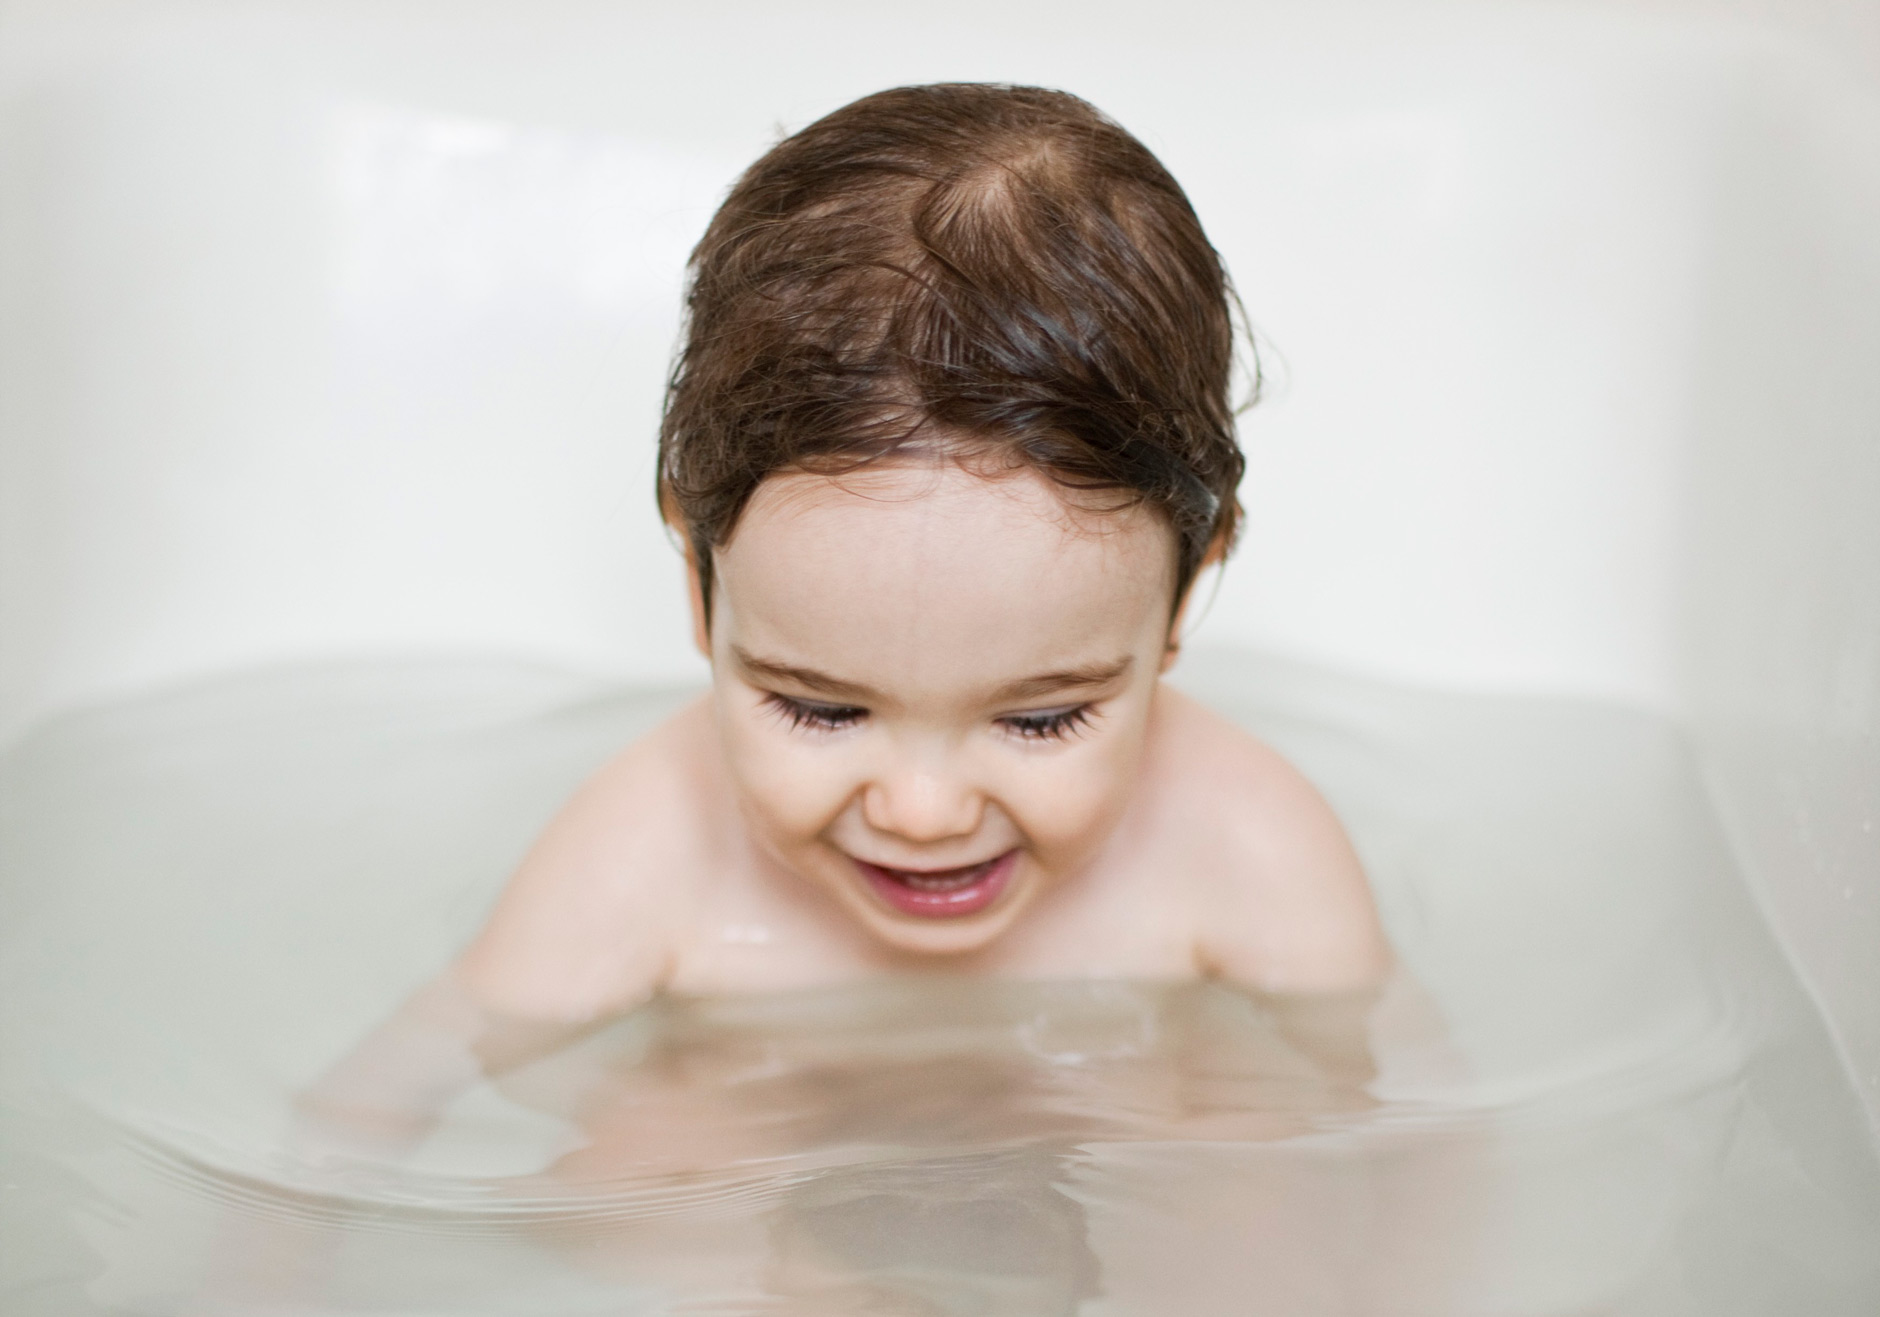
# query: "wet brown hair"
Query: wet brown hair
{"points": [[997, 273]]}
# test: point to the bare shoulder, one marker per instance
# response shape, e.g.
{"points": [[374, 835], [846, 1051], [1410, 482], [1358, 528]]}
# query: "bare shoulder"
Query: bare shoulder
{"points": [[585, 927], [1283, 904]]}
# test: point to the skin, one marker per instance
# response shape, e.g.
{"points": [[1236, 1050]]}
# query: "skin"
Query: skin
{"points": [[924, 667], [920, 666]]}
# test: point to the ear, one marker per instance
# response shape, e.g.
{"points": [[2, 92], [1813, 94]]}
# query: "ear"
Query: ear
{"points": [[695, 596], [694, 588], [1217, 552]]}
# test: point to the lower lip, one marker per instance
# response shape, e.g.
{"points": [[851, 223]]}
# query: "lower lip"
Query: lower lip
{"points": [[984, 883]]}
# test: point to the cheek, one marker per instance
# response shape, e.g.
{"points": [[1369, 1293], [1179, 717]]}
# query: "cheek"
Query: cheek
{"points": [[1067, 805], [794, 789]]}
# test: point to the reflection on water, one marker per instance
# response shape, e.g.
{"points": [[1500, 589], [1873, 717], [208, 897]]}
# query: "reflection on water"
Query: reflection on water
{"points": [[1597, 1090]]}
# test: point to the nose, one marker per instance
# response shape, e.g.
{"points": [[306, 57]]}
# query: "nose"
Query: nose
{"points": [[922, 803]]}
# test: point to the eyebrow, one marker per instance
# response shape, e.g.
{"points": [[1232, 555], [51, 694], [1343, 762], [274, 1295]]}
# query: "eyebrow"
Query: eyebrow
{"points": [[1025, 688], [1067, 679], [808, 678]]}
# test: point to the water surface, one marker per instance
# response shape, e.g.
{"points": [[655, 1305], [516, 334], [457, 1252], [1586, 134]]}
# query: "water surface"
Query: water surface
{"points": [[1603, 1093]]}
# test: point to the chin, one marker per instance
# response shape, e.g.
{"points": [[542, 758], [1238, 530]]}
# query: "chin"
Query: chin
{"points": [[941, 938]]}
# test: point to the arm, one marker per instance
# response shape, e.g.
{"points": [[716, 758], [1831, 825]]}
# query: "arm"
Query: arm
{"points": [[1285, 910], [384, 1096], [580, 933], [370, 1109], [1298, 928], [1283, 904]]}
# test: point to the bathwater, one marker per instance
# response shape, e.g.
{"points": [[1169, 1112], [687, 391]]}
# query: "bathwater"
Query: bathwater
{"points": [[1597, 1090]]}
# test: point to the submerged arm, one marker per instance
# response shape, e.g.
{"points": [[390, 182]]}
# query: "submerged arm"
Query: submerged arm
{"points": [[577, 937]]}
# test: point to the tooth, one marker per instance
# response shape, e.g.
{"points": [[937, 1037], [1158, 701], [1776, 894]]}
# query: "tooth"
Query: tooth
{"points": [[941, 882]]}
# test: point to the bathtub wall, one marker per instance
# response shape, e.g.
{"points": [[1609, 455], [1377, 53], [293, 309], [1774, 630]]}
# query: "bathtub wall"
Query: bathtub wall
{"points": [[336, 328], [1781, 638], [341, 329], [332, 328]]}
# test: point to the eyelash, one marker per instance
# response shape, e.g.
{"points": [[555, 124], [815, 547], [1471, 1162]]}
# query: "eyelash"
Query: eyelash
{"points": [[821, 717], [1050, 725]]}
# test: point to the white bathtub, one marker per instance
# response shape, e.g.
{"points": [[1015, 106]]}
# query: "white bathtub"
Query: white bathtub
{"points": [[339, 329]]}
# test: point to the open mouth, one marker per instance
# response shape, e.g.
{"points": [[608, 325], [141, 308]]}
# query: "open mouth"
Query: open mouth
{"points": [[941, 893]]}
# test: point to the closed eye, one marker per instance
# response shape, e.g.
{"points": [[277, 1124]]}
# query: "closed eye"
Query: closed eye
{"points": [[813, 713], [1048, 724]]}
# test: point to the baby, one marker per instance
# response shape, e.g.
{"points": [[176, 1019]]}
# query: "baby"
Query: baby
{"points": [[948, 442]]}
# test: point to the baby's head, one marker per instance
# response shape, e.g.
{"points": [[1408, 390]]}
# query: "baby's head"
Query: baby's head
{"points": [[949, 440]]}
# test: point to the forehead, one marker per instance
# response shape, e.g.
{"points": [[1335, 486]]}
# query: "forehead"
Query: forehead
{"points": [[921, 571]]}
